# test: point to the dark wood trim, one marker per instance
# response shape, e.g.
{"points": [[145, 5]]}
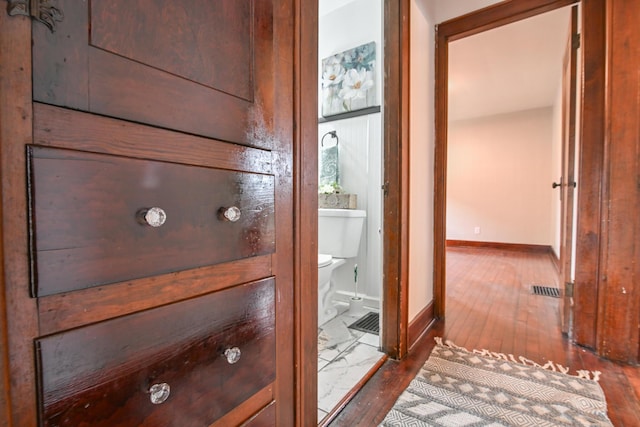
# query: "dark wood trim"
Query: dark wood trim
{"points": [[306, 211], [396, 177], [286, 148], [395, 269], [69, 310], [440, 172], [523, 247], [472, 23], [619, 286], [499, 14], [21, 310], [591, 158], [421, 324]]}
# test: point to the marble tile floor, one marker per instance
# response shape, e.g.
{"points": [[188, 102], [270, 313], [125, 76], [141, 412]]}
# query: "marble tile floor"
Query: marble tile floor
{"points": [[344, 357]]}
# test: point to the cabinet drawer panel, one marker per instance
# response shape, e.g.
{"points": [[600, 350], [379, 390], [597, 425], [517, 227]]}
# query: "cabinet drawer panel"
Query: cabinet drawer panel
{"points": [[87, 230], [265, 418], [102, 374]]}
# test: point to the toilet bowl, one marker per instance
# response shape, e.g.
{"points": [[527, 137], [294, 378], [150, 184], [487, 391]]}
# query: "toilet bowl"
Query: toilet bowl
{"points": [[326, 289], [339, 233]]}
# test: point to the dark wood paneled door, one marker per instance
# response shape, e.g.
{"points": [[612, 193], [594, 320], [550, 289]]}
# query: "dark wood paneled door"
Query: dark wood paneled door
{"points": [[150, 213]]}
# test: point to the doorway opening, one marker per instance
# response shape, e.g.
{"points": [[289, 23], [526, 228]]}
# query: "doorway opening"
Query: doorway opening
{"points": [[350, 172], [381, 131], [496, 17], [507, 116]]}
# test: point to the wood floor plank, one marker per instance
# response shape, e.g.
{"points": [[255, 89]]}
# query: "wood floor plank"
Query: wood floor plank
{"points": [[490, 306]]}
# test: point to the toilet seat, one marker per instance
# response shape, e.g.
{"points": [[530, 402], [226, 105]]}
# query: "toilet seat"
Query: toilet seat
{"points": [[324, 260]]}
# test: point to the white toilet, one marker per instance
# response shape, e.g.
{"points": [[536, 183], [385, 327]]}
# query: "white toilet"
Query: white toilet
{"points": [[339, 232]]}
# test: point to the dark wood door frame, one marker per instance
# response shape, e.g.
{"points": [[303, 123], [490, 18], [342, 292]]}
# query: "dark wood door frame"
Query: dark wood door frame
{"points": [[606, 300], [305, 178], [395, 309], [567, 178], [396, 178], [485, 19]]}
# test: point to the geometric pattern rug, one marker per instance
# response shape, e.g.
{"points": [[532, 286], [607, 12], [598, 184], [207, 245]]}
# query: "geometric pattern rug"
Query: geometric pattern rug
{"points": [[457, 387]]}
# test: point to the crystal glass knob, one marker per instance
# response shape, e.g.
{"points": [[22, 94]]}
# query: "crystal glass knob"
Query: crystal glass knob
{"points": [[154, 217], [159, 393], [231, 214], [232, 355]]}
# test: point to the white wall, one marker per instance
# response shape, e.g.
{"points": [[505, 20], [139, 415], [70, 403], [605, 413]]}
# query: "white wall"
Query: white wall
{"points": [[421, 159], [361, 173], [498, 171], [424, 15], [348, 24]]}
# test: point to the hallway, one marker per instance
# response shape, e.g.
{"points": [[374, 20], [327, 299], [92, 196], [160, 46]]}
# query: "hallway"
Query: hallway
{"points": [[490, 306]]}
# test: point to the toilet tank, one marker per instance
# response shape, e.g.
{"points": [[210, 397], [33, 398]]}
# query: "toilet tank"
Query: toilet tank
{"points": [[339, 231]]}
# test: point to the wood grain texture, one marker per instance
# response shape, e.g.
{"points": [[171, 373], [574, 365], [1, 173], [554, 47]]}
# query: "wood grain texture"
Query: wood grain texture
{"points": [[18, 322], [591, 161], [494, 16], [163, 41], [99, 375], [260, 402], [80, 64], [281, 132], [71, 310], [63, 128], [85, 218], [265, 418], [491, 307], [396, 178], [440, 172], [619, 292], [68, 73], [306, 206]]}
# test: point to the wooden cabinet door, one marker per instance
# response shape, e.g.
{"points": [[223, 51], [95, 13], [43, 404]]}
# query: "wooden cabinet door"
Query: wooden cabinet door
{"points": [[204, 86], [203, 67]]}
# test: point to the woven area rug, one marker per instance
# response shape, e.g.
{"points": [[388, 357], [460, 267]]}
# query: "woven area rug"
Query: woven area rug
{"points": [[457, 387]]}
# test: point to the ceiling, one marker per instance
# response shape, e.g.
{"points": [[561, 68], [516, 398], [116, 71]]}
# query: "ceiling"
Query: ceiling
{"points": [[511, 68]]}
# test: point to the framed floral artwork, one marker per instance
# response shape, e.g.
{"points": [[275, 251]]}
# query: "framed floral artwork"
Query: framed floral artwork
{"points": [[348, 80]]}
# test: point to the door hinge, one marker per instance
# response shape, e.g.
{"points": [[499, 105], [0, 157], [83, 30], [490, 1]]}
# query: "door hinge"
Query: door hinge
{"points": [[568, 289], [40, 10], [385, 188], [575, 41]]}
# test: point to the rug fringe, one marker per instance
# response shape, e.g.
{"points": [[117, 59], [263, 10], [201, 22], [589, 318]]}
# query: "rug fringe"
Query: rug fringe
{"points": [[550, 366]]}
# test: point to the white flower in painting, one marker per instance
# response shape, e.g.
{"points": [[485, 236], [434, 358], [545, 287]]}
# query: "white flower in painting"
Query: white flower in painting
{"points": [[332, 74], [356, 84]]}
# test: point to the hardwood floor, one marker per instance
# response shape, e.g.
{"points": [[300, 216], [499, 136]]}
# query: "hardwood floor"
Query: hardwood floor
{"points": [[490, 306]]}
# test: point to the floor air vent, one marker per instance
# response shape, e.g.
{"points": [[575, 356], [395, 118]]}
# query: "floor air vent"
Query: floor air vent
{"points": [[370, 323], [546, 291]]}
